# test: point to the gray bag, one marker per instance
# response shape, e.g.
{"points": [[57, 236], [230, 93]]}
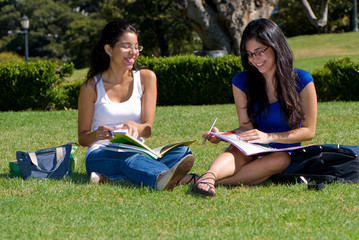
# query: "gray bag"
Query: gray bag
{"points": [[46, 163]]}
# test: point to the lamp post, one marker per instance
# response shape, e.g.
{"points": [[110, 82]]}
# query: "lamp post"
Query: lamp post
{"points": [[354, 16], [25, 25]]}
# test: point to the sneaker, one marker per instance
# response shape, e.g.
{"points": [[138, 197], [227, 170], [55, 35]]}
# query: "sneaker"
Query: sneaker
{"points": [[95, 178], [175, 173]]}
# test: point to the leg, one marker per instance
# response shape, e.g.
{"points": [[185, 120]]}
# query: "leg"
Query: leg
{"points": [[174, 155], [225, 165], [135, 167], [259, 170]]}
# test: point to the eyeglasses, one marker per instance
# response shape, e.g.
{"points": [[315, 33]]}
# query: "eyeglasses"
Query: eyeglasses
{"points": [[128, 47], [257, 54]]}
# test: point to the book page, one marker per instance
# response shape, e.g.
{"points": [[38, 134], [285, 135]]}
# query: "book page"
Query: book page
{"points": [[250, 149]]}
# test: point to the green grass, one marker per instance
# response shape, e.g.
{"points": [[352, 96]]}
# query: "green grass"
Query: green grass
{"points": [[313, 51], [73, 209]]}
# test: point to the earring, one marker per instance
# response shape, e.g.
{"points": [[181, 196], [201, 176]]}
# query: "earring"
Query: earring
{"points": [[110, 54]]}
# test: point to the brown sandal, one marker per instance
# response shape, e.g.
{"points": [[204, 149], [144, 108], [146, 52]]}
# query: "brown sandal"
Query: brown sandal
{"points": [[210, 185], [193, 180]]}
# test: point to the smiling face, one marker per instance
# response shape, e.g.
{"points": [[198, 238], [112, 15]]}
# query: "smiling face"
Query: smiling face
{"points": [[261, 56], [125, 51]]}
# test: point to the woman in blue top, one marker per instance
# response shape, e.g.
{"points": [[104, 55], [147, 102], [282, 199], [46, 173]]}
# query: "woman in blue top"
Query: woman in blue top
{"points": [[276, 105]]}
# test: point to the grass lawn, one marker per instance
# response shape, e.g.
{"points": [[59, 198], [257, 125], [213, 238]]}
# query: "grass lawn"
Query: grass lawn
{"points": [[73, 209], [313, 51]]}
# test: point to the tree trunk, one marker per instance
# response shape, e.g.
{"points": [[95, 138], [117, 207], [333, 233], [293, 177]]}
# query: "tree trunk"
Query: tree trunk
{"points": [[313, 19], [220, 23]]}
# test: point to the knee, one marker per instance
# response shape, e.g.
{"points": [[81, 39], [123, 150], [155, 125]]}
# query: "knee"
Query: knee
{"points": [[181, 149], [280, 161]]}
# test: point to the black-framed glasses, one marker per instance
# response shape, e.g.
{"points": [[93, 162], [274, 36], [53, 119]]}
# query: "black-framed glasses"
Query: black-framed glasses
{"points": [[258, 53]]}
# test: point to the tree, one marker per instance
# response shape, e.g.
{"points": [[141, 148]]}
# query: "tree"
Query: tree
{"points": [[48, 25], [161, 25], [220, 23], [293, 19], [318, 23]]}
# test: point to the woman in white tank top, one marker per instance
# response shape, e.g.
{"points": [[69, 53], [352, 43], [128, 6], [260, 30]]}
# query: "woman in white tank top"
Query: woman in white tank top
{"points": [[119, 95]]}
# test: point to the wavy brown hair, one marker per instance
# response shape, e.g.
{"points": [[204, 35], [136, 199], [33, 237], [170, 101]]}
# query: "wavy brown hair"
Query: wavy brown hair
{"points": [[269, 34]]}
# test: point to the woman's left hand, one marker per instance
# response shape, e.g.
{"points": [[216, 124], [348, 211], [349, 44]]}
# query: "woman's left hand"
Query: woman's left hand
{"points": [[131, 127], [254, 136]]}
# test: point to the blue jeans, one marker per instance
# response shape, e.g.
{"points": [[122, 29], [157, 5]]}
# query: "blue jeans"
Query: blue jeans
{"points": [[135, 167]]}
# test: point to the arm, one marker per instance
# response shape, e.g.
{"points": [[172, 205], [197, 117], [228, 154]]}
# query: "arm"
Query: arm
{"points": [[240, 100], [149, 99], [305, 133], [87, 99]]}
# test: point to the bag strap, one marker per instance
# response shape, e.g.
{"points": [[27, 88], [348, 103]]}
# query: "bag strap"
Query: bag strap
{"points": [[33, 158], [59, 155]]}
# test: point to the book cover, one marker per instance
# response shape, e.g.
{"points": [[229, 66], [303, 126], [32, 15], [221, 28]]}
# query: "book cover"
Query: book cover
{"points": [[250, 149], [123, 142]]}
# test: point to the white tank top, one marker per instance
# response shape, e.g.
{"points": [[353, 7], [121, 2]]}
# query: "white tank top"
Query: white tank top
{"points": [[110, 113]]}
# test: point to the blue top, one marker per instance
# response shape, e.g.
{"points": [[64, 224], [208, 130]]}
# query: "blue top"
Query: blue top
{"points": [[275, 121]]}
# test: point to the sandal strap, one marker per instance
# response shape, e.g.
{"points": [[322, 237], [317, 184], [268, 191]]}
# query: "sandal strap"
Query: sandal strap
{"points": [[202, 180], [214, 175], [210, 185], [207, 179], [194, 177]]}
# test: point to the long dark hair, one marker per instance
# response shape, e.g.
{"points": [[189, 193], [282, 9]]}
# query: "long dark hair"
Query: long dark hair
{"points": [[269, 34], [111, 34]]}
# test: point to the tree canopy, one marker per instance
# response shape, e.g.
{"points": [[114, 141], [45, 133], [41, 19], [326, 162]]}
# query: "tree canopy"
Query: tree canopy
{"points": [[68, 29]]}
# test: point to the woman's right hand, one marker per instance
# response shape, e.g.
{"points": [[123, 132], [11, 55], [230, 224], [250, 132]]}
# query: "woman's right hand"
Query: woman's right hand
{"points": [[210, 137]]}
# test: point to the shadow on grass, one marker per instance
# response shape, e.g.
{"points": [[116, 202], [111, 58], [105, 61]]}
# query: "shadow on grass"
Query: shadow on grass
{"points": [[83, 178], [266, 184]]}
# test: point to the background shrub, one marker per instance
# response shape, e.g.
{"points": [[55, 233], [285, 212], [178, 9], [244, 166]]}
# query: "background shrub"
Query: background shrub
{"points": [[189, 79], [67, 95], [33, 85], [181, 80], [338, 81], [9, 57]]}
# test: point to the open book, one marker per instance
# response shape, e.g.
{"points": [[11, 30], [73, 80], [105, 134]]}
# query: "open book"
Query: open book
{"points": [[123, 142], [250, 149]]}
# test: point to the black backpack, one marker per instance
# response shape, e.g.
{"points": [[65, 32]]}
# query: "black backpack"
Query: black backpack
{"points": [[320, 164]]}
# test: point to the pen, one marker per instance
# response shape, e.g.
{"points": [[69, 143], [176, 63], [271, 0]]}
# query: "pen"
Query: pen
{"points": [[214, 122], [111, 134]]}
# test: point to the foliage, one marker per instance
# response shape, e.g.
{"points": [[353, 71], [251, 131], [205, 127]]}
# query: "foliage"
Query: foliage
{"points": [[69, 29], [82, 36], [292, 19], [30, 85], [67, 95], [190, 79], [181, 80], [161, 25], [66, 70], [48, 25], [338, 80], [9, 57], [73, 209]]}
